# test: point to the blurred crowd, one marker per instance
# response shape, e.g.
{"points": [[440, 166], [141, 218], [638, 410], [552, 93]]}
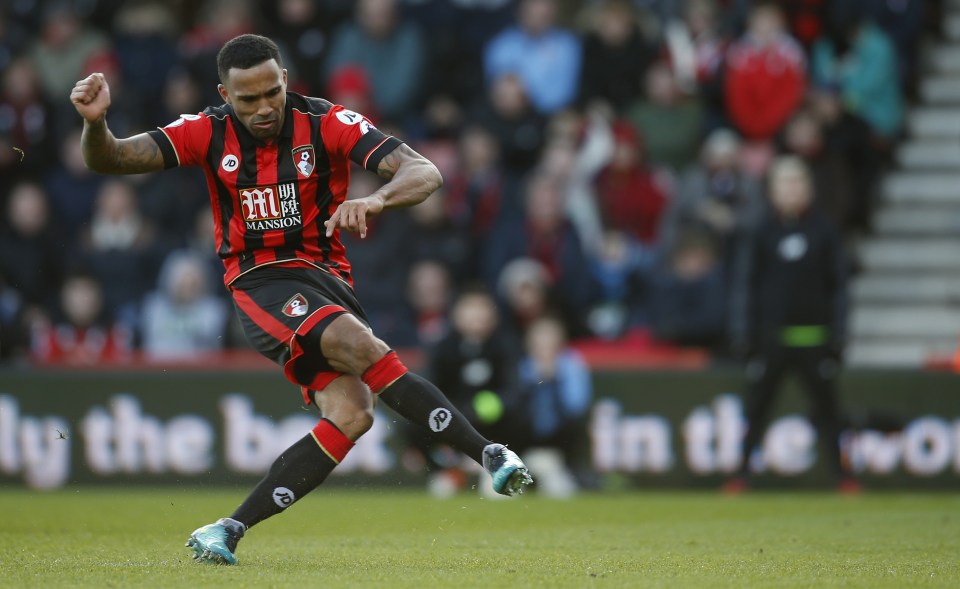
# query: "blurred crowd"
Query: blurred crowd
{"points": [[601, 161]]}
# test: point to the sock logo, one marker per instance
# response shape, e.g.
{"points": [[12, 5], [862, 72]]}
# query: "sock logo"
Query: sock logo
{"points": [[439, 419], [283, 497]]}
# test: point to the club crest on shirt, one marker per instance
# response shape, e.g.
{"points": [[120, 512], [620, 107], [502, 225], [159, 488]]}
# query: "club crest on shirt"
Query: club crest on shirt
{"points": [[304, 159], [296, 306]]}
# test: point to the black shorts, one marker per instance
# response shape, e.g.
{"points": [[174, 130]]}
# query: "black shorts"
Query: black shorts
{"points": [[277, 306]]}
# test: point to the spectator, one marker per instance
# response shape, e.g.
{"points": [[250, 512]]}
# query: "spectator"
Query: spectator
{"points": [[25, 123], [434, 236], [380, 277], [715, 197], [14, 339], [670, 123], [556, 390], [390, 52], [620, 268], [848, 137], [72, 187], [688, 295], [804, 19], [631, 196], [832, 177], [789, 313], [545, 57], [546, 235], [301, 28], [429, 291], [615, 56], [477, 192], [902, 21], [519, 130], [220, 21], [696, 48], [63, 49], [31, 249], [84, 334], [765, 77], [181, 319], [350, 86], [858, 57], [475, 365], [120, 247], [144, 34], [525, 289]]}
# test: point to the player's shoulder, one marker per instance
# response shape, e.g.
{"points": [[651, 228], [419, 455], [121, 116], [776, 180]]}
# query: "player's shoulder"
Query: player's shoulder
{"points": [[309, 104], [217, 112]]}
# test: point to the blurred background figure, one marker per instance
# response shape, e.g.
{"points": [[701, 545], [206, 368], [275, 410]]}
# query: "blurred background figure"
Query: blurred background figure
{"points": [[765, 80], [556, 390], [544, 57], [714, 196], [789, 314], [181, 320], [858, 57], [475, 365], [121, 248], [26, 122], [688, 302], [388, 50], [82, 332], [546, 235], [669, 122], [429, 295], [615, 56], [31, 252], [507, 114], [621, 269], [631, 194]]}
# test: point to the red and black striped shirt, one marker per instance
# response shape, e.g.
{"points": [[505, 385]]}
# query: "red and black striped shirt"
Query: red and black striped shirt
{"points": [[270, 200]]}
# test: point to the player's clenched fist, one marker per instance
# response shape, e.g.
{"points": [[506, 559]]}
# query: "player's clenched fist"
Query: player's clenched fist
{"points": [[91, 97]]}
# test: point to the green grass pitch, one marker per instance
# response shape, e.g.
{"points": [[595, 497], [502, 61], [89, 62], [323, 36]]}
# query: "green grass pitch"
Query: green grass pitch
{"points": [[98, 537]]}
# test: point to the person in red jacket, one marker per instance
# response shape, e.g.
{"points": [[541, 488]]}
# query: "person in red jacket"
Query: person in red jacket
{"points": [[766, 75]]}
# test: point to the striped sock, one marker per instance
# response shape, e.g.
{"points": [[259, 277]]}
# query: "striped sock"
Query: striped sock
{"points": [[299, 470]]}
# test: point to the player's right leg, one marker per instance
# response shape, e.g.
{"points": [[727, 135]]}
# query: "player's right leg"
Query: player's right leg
{"points": [[350, 347]]}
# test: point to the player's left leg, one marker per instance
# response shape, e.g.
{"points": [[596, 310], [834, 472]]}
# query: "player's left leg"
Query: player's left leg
{"points": [[350, 347], [347, 410], [819, 371]]}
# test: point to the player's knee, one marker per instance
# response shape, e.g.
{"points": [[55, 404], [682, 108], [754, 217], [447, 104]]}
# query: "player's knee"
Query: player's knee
{"points": [[353, 417]]}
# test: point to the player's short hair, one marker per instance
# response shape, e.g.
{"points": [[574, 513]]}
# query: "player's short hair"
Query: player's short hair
{"points": [[244, 52]]}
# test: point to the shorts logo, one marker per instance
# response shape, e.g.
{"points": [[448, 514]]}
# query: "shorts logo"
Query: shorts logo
{"points": [[439, 419], [348, 117], [366, 126], [283, 497], [303, 158], [270, 207], [229, 162], [296, 306]]}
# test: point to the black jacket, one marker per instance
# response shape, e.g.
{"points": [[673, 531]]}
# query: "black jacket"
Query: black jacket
{"points": [[790, 273]]}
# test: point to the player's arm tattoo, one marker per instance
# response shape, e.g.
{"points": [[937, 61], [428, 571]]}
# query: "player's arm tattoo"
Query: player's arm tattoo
{"points": [[106, 154], [411, 177]]}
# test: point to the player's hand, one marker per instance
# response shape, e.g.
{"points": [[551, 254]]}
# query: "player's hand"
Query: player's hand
{"points": [[91, 97], [352, 215]]}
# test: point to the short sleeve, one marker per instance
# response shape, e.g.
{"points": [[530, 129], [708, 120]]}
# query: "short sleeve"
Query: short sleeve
{"points": [[185, 141], [351, 135]]}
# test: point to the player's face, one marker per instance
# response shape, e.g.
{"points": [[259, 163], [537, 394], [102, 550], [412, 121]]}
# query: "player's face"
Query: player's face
{"points": [[258, 96]]}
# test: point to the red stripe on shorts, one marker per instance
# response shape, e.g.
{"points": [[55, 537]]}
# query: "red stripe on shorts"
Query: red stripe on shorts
{"points": [[263, 319]]}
